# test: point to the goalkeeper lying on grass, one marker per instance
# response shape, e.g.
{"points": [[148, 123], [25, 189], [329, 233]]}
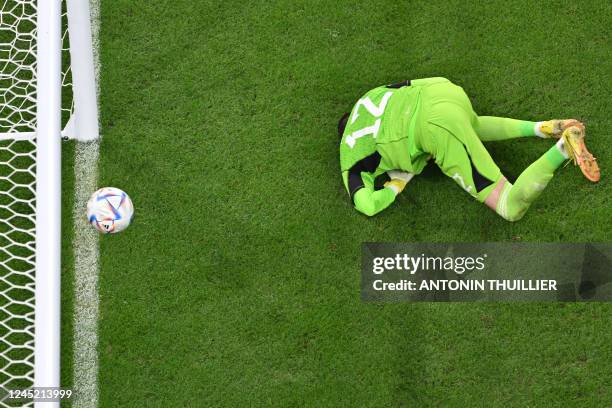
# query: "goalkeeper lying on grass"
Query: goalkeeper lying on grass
{"points": [[396, 129]]}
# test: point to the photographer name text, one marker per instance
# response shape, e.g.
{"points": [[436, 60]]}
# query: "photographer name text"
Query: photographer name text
{"points": [[467, 285]]}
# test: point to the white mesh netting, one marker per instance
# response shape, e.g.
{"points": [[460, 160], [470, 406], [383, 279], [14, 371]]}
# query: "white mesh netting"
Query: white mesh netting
{"points": [[17, 190], [17, 193], [18, 66]]}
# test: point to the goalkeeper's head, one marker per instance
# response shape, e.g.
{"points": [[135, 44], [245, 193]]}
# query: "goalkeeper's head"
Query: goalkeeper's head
{"points": [[342, 124]]}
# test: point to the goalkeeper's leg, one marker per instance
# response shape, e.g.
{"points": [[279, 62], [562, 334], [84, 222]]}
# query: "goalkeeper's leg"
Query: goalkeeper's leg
{"points": [[461, 155], [491, 128], [511, 201]]}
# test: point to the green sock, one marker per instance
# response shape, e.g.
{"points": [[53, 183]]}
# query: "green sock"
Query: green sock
{"points": [[555, 157], [490, 128], [515, 199]]}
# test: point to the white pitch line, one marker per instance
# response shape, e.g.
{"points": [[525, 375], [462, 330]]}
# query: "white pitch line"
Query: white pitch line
{"points": [[86, 258]]}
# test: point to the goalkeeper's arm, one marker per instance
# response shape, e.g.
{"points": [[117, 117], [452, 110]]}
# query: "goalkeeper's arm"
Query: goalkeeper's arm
{"points": [[369, 201]]}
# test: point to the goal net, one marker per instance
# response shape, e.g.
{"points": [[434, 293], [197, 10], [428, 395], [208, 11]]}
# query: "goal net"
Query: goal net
{"points": [[33, 112]]}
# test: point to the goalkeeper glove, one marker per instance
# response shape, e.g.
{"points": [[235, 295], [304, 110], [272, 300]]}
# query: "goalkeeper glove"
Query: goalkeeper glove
{"points": [[398, 181]]}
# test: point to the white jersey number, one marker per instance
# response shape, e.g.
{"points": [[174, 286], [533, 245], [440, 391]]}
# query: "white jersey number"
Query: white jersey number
{"points": [[375, 111]]}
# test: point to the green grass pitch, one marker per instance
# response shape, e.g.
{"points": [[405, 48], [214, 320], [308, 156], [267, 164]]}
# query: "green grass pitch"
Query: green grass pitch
{"points": [[238, 282]]}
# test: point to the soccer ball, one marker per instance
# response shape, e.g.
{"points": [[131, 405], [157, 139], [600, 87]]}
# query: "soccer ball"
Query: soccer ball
{"points": [[110, 210]]}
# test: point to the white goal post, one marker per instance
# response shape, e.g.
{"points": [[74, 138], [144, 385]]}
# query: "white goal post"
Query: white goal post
{"points": [[46, 63], [48, 185]]}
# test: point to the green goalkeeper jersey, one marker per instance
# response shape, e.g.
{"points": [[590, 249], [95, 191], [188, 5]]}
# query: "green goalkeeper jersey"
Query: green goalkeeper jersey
{"points": [[381, 134]]}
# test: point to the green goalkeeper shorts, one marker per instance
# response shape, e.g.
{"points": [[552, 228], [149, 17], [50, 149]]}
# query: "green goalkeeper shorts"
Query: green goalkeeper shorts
{"points": [[449, 136]]}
